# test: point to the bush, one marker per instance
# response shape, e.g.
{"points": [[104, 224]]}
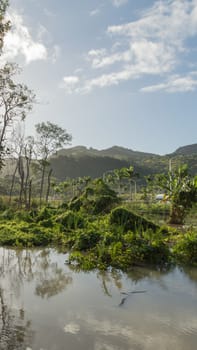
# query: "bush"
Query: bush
{"points": [[87, 240], [102, 204], [130, 221], [185, 250], [44, 214], [7, 214], [76, 204], [70, 220]]}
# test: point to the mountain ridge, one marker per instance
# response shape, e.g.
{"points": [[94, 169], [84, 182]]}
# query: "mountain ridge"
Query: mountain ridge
{"points": [[79, 161], [82, 161], [114, 150]]}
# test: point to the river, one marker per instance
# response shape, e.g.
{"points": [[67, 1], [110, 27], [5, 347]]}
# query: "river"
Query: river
{"points": [[46, 305]]}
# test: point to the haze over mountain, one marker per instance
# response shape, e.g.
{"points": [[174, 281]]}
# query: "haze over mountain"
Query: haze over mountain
{"points": [[81, 161]]}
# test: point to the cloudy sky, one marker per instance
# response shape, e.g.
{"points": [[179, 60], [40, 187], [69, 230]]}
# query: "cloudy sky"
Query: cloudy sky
{"points": [[112, 72]]}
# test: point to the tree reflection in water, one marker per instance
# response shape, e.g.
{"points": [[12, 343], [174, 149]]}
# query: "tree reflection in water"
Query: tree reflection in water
{"points": [[114, 278], [108, 279], [15, 330], [16, 268], [50, 287]]}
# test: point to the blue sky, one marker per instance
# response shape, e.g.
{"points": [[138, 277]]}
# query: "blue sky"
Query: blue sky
{"points": [[112, 72]]}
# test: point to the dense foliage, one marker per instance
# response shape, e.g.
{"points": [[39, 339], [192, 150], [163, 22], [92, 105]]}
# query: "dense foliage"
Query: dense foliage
{"points": [[180, 189], [97, 232]]}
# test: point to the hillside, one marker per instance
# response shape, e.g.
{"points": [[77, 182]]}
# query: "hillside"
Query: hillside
{"points": [[187, 150], [81, 161]]}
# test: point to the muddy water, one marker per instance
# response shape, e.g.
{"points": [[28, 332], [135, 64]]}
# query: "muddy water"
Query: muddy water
{"points": [[44, 305]]}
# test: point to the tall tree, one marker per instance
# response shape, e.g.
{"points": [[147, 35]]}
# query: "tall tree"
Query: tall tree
{"points": [[130, 174], [15, 101], [15, 98], [4, 25], [50, 138]]}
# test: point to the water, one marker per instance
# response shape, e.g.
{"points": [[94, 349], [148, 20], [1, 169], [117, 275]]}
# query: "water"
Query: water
{"points": [[45, 305]]}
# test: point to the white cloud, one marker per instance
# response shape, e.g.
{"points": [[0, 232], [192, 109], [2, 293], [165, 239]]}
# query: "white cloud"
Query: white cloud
{"points": [[71, 79], [118, 3], [70, 83], [18, 42], [164, 21], [155, 44], [174, 84]]}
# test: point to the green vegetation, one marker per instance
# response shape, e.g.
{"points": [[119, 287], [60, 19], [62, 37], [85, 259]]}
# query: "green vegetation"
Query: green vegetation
{"points": [[98, 231], [180, 189]]}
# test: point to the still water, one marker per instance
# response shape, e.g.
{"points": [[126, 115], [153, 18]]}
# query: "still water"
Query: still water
{"points": [[45, 305]]}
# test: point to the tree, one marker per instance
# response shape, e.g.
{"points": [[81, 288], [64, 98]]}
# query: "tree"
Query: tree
{"points": [[4, 25], [21, 151], [16, 147], [15, 98], [181, 190], [50, 138], [118, 175], [15, 101], [129, 174]]}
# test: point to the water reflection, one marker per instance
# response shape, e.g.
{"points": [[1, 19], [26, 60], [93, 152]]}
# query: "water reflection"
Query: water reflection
{"points": [[108, 279], [15, 329], [45, 304], [191, 273], [19, 266]]}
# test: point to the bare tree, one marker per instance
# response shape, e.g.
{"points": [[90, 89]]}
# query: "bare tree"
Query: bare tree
{"points": [[21, 151]]}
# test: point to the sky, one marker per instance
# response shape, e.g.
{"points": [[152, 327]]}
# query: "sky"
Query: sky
{"points": [[111, 72]]}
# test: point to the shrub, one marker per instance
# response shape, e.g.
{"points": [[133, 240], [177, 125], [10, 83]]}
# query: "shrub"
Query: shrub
{"points": [[7, 214], [76, 204], [87, 240], [102, 204], [185, 250], [44, 214], [70, 220], [130, 221]]}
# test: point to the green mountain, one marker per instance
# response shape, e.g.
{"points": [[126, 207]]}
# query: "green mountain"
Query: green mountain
{"points": [[187, 150], [81, 161]]}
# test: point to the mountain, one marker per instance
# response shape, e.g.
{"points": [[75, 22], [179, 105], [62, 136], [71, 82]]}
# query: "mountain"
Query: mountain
{"points": [[81, 161], [115, 152], [187, 150]]}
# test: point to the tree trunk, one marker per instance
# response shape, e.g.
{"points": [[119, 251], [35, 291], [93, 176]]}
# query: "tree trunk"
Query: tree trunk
{"points": [[42, 183], [29, 194], [49, 185], [22, 177], [12, 184], [177, 215]]}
